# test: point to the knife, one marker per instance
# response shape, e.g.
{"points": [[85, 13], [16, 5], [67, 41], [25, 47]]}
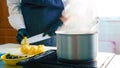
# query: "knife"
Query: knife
{"points": [[36, 38]]}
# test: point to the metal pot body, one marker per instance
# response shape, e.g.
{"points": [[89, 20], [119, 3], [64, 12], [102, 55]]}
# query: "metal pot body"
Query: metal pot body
{"points": [[77, 46]]}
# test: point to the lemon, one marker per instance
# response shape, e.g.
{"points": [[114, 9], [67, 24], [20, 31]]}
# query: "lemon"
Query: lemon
{"points": [[25, 46], [25, 49], [41, 48], [33, 50], [36, 49]]}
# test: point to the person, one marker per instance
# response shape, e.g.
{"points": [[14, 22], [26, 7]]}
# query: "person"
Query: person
{"points": [[32, 17]]}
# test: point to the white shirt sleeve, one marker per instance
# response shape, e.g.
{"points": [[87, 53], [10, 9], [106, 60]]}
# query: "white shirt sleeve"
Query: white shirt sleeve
{"points": [[66, 8], [15, 17]]}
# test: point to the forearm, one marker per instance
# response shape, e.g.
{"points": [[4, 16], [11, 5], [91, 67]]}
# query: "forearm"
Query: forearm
{"points": [[15, 17]]}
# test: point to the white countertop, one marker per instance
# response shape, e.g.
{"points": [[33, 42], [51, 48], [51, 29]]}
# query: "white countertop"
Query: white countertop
{"points": [[102, 57], [115, 63]]}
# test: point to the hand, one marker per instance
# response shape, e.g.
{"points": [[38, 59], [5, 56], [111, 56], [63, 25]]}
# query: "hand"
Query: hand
{"points": [[63, 19], [53, 28], [21, 34]]}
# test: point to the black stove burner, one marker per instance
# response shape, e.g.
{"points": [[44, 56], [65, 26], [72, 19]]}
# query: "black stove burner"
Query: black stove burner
{"points": [[76, 61], [49, 59]]}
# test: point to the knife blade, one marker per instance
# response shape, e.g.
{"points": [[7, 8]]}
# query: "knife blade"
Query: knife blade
{"points": [[36, 38]]}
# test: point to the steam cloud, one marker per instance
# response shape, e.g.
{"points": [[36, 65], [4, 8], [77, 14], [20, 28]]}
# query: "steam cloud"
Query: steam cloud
{"points": [[81, 17]]}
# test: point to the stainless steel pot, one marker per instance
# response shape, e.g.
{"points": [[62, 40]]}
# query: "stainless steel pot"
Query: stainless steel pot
{"points": [[77, 46]]}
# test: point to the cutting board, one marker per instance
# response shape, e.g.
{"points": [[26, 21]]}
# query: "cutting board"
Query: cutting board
{"points": [[15, 48]]}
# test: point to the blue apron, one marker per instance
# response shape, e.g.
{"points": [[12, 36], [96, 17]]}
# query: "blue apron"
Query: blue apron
{"points": [[40, 15]]}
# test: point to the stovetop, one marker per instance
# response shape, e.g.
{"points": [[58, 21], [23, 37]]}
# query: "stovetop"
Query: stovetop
{"points": [[49, 59]]}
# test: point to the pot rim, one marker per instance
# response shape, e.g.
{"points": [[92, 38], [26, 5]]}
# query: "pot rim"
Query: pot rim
{"points": [[61, 32]]}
